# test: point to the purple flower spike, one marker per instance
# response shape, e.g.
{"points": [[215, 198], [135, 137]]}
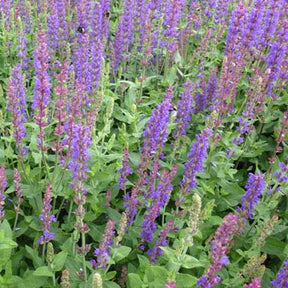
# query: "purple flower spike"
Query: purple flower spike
{"points": [[46, 218], [170, 284], [281, 280], [81, 140], [125, 170], [220, 246], [184, 110], [156, 130], [17, 105], [18, 190], [124, 35], [196, 158], [254, 190], [149, 226], [255, 283], [156, 251], [103, 252], [42, 86], [3, 184], [53, 25]]}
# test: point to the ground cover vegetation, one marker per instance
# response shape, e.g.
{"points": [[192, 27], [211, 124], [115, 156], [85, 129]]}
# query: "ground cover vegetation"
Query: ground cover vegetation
{"points": [[143, 143]]}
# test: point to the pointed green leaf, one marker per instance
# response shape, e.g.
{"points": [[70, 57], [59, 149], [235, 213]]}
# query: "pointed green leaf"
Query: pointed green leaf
{"points": [[43, 271]]}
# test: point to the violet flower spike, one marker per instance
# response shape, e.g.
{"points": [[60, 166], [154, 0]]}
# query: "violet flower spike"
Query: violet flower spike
{"points": [[196, 158], [281, 176], [184, 110], [162, 241], [281, 280], [18, 190], [255, 283], [170, 284], [155, 132], [17, 105], [254, 190], [103, 252], [53, 25], [125, 170], [149, 226], [46, 218], [81, 58], [42, 86], [130, 204], [3, 184], [220, 246], [124, 35], [81, 141]]}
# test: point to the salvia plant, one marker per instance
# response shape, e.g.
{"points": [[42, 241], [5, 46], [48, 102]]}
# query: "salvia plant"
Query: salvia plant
{"points": [[143, 143]]}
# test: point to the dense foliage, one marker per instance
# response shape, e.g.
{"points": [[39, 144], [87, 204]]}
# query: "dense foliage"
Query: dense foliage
{"points": [[143, 143]]}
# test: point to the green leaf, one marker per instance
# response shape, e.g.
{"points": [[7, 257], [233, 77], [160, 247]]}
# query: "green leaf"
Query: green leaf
{"points": [[144, 262], [59, 261], [134, 281], [110, 284], [190, 262], [275, 247], [185, 280], [120, 253], [169, 252], [113, 214], [37, 157], [6, 243], [154, 273], [43, 271], [110, 275], [5, 226], [37, 261]]}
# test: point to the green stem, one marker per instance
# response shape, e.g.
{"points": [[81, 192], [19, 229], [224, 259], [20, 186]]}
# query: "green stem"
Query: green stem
{"points": [[70, 211], [15, 221], [60, 208], [83, 257], [43, 252], [23, 168]]}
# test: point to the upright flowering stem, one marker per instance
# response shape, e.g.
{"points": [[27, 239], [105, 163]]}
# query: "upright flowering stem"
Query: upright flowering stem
{"points": [[173, 13], [97, 280], [255, 283], [3, 184], [281, 280], [53, 25], [155, 134], [194, 165], [158, 199], [121, 229], [124, 34], [162, 241], [282, 132], [254, 190], [42, 87], [19, 195], [81, 141], [17, 105], [130, 204], [220, 246], [124, 171], [103, 252], [170, 284], [46, 219], [81, 58], [60, 108], [184, 110]]}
